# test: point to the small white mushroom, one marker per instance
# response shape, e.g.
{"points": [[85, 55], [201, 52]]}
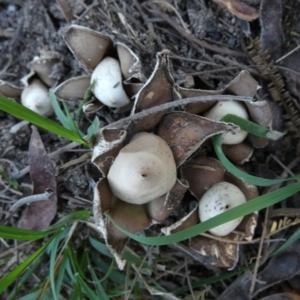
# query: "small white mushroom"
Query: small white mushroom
{"points": [[143, 170], [108, 86], [223, 108], [35, 97], [218, 199]]}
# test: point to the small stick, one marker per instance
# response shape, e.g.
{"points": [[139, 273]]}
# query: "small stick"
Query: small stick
{"points": [[32, 198], [259, 253], [18, 126], [169, 106]]}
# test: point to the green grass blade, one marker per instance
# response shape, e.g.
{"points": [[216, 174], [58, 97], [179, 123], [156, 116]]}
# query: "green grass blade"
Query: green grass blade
{"points": [[90, 293], [211, 280], [21, 112], [7, 232], [73, 127], [84, 260], [100, 247], [58, 111], [24, 277], [69, 270], [253, 128], [12, 276], [74, 261], [115, 276], [70, 218], [54, 247], [93, 127], [61, 272], [11, 181], [31, 296], [77, 292], [236, 212], [107, 275], [240, 174], [86, 97]]}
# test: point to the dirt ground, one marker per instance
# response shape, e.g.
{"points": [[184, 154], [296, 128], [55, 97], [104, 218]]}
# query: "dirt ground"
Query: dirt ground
{"points": [[209, 45]]}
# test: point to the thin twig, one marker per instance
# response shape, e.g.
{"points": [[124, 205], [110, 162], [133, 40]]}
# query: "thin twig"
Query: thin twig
{"points": [[257, 263], [287, 54], [192, 38], [188, 279], [167, 107], [32, 198], [52, 155], [138, 271]]}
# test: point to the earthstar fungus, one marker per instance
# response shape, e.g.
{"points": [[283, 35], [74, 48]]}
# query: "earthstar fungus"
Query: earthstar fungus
{"points": [[115, 68], [211, 251], [181, 133], [143, 170], [219, 198]]}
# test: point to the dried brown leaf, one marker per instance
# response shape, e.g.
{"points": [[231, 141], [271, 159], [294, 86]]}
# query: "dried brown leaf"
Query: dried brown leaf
{"points": [[239, 9], [39, 215], [271, 27]]}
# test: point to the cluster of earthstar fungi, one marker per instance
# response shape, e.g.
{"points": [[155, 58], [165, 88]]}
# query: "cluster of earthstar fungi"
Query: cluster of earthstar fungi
{"points": [[149, 163]]}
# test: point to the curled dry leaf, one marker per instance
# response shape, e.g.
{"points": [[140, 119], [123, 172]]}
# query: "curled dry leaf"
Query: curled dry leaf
{"points": [[208, 171], [239, 9], [38, 215], [271, 27], [90, 48]]}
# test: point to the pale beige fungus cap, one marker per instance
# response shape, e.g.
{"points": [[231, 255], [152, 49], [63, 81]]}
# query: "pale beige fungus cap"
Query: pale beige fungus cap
{"points": [[143, 170], [35, 97], [108, 86], [219, 198], [223, 108]]}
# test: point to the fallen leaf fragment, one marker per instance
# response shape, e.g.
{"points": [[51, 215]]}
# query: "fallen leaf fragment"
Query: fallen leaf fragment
{"points": [[38, 215], [239, 9]]}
